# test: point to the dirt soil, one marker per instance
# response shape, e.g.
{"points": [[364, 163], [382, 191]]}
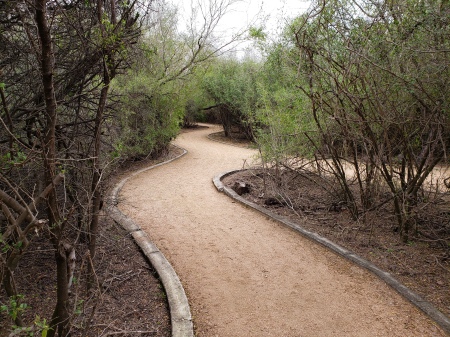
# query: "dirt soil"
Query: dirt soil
{"points": [[128, 300], [246, 275]]}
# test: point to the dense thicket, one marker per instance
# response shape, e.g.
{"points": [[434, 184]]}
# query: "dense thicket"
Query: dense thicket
{"points": [[377, 80], [231, 85], [361, 89], [57, 60]]}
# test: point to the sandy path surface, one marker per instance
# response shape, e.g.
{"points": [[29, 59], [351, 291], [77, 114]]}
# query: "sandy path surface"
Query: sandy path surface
{"points": [[246, 275]]}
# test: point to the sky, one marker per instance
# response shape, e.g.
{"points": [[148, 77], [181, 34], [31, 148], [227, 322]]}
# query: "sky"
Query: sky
{"points": [[271, 14], [271, 11]]}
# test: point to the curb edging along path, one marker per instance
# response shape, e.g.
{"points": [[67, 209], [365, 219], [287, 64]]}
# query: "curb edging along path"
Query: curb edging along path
{"points": [[442, 320], [180, 314]]}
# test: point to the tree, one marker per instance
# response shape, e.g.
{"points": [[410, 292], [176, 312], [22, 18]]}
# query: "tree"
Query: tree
{"points": [[373, 76], [57, 62], [233, 88], [156, 90]]}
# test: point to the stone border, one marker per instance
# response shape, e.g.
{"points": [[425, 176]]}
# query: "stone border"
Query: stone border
{"points": [[438, 317], [180, 314]]}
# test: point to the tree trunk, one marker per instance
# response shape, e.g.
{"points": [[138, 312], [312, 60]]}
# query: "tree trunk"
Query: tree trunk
{"points": [[108, 74], [60, 318], [96, 177]]}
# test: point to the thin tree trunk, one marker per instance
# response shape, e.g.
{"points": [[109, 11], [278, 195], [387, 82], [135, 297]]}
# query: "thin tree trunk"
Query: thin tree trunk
{"points": [[60, 318], [96, 176], [9, 121]]}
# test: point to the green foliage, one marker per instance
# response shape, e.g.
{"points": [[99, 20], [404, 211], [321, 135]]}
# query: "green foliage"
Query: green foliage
{"points": [[192, 113], [7, 246], [4, 244], [150, 117], [7, 162], [160, 92], [79, 307], [15, 307], [42, 326], [152, 110], [193, 98], [233, 88], [283, 122], [378, 88], [261, 100], [257, 33]]}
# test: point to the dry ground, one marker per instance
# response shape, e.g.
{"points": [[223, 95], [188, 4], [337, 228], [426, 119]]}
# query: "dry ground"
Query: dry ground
{"points": [[128, 299]]}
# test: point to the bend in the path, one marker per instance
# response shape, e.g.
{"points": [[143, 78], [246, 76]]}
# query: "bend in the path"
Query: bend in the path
{"points": [[246, 275]]}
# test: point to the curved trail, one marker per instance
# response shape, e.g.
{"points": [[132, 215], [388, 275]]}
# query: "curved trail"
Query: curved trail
{"points": [[246, 275]]}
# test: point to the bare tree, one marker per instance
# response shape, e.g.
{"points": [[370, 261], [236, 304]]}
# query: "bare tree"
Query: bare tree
{"points": [[377, 94], [57, 61]]}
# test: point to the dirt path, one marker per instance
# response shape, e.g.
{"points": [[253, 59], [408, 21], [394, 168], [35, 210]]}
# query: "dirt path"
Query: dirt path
{"points": [[244, 274]]}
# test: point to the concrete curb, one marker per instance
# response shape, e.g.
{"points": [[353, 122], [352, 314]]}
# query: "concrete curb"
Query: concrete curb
{"points": [[180, 314], [438, 317]]}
